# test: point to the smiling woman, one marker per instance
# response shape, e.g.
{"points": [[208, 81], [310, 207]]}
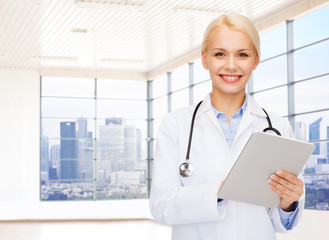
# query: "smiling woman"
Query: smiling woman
{"points": [[224, 121]]}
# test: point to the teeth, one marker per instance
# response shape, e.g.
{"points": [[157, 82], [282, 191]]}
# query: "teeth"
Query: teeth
{"points": [[231, 77]]}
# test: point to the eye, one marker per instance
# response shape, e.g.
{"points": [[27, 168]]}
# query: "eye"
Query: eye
{"points": [[242, 55], [219, 54]]}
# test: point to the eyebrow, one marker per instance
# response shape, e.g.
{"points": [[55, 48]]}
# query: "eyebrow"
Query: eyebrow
{"points": [[240, 50]]}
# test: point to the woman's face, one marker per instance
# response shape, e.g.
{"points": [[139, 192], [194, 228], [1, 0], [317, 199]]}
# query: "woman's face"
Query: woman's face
{"points": [[230, 59]]}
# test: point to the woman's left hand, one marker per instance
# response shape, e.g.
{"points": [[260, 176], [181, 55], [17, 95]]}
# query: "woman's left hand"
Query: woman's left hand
{"points": [[288, 187]]}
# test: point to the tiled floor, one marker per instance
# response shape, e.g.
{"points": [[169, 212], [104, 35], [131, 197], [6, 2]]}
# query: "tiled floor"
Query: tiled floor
{"points": [[84, 230]]}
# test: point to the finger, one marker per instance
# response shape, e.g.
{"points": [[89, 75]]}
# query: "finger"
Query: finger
{"points": [[288, 176], [285, 192], [287, 198], [293, 186]]}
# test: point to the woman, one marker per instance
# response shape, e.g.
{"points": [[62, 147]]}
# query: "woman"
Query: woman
{"points": [[224, 122]]}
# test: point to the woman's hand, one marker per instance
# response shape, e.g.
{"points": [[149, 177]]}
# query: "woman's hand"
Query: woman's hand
{"points": [[288, 187]]}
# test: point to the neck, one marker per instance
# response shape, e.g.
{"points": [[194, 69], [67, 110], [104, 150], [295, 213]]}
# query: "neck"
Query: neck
{"points": [[227, 103]]}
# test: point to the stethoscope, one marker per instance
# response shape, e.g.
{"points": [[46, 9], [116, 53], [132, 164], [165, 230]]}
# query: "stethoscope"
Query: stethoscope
{"points": [[186, 168]]}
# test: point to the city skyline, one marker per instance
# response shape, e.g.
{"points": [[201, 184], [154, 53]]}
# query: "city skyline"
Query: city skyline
{"points": [[78, 162]]}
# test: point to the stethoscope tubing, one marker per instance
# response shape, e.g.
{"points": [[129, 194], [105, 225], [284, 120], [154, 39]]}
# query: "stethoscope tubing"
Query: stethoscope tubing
{"points": [[186, 168]]}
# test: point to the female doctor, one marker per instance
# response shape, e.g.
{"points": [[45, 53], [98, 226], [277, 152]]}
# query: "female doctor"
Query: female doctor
{"points": [[223, 123]]}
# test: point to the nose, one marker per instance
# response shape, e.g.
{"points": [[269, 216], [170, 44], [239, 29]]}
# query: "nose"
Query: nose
{"points": [[231, 64]]}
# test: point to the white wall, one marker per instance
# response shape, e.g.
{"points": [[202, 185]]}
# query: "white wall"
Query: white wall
{"points": [[19, 160], [313, 225]]}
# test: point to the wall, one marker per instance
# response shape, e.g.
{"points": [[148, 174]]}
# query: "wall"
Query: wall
{"points": [[313, 225], [19, 160]]}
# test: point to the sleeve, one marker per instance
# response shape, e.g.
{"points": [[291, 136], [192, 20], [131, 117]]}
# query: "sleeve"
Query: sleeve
{"points": [[278, 224], [288, 218], [170, 202]]}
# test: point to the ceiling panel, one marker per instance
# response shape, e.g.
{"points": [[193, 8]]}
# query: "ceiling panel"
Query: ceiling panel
{"points": [[135, 39]]}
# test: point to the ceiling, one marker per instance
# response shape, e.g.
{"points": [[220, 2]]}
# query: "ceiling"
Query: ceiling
{"points": [[122, 39]]}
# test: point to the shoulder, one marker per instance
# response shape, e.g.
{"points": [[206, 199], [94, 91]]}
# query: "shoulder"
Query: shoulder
{"points": [[278, 122], [180, 115], [281, 123], [176, 121]]}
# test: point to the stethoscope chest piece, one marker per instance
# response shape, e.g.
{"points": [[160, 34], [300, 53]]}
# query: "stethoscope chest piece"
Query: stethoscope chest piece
{"points": [[186, 169]]}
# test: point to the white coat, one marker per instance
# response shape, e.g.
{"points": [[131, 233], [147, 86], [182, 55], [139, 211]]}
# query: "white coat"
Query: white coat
{"points": [[190, 204]]}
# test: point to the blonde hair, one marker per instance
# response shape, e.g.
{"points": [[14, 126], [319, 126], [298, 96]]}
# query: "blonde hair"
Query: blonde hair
{"points": [[235, 22]]}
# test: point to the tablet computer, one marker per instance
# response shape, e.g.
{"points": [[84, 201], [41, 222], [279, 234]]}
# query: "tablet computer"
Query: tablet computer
{"points": [[262, 156]]}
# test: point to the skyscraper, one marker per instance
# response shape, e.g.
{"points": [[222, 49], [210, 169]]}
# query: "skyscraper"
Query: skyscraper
{"points": [[314, 135], [45, 154], [110, 147], [69, 145], [82, 127], [300, 131]]}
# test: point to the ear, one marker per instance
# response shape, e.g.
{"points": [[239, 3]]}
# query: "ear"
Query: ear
{"points": [[204, 60], [256, 63]]}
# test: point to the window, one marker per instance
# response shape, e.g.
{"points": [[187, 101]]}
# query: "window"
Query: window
{"points": [[307, 93], [93, 139], [273, 42]]}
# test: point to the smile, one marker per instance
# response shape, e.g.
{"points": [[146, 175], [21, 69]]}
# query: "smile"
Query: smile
{"points": [[230, 78]]}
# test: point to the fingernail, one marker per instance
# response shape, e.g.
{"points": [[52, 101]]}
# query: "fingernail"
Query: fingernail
{"points": [[280, 173]]}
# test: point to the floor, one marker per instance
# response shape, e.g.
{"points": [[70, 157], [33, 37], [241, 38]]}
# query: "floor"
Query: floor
{"points": [[84, 230]]}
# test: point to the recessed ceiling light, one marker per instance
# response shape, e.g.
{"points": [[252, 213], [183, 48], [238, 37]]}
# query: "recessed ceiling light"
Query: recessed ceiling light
{"points": [[120, 60], [197, 12], [80, 30], [109, 6], [54, 58], [23, 1]]}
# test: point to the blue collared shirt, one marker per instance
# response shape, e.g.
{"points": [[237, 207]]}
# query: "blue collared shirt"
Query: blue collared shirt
{"points": [[230, 130]]}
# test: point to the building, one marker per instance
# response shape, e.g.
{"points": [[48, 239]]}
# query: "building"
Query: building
{"points": [[69, 151]]}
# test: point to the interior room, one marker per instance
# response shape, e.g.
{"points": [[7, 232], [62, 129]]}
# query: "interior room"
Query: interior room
{"points": [[85, 84]]}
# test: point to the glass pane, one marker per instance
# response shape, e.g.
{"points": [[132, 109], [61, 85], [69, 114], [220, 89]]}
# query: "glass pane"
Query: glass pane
{"points": [[275, 100], [68, 170], [273, 42], [67, 107], [139, 125], [121, 109], [180, 78], [201, 90], [59, 191], [120, 143], [160, 107], [121, 89], [144, 152], [313, 127], [317, 191], [270, 73], [180, 99], [160, 86], [200, 73], [312, 95], [312, 61], [312, 27], [56, 149], [68, 87], [51, 127], [117, 138], [122, 185]]}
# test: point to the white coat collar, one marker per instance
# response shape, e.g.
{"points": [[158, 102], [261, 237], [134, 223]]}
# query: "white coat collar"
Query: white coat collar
{"points": [[252, 106]]}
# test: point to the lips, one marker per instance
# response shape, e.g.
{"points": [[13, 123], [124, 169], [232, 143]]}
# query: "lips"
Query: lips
{"points": [[230, 78]]}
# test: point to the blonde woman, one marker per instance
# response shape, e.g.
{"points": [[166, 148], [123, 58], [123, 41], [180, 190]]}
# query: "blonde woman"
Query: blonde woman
{"points": [[223, 123]]}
